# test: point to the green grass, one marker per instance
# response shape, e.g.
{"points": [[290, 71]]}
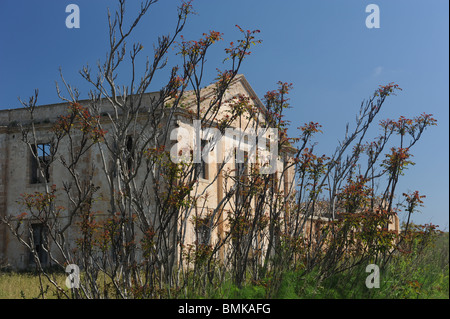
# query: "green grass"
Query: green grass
{"points": [[423, 275]]}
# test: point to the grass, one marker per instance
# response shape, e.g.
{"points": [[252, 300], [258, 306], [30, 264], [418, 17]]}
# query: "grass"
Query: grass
{"points": [[422, 275], [26, 285]]}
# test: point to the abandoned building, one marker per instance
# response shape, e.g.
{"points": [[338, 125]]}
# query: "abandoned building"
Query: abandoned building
{"points": [[23, 169]]}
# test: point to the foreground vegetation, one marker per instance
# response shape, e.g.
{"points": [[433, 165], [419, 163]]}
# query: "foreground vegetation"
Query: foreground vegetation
{"points": [[291, 222], [421, 273]]}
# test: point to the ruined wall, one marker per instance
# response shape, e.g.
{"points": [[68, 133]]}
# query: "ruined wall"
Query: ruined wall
{"points": [[15, 171], [3, 191]]}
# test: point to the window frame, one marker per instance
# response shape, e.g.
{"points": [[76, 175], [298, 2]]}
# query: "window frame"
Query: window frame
{"points": [[44, 161]]}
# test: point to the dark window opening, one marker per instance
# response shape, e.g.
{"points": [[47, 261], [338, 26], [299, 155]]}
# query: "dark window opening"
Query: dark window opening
{"points": [[204, 166], [241, 167], [203, 231], [39, 236], [130, 152], [241, 173], [40, 163]]}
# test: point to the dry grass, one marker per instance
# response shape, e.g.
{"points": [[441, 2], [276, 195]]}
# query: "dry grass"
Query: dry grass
{"points": [[25, 285]]}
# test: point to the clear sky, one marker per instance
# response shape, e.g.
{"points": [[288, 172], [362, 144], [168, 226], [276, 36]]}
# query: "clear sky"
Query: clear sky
{"points": [[323, 47]]}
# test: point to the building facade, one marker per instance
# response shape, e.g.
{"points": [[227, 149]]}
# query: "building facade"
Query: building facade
{"points": [[25, 168]]}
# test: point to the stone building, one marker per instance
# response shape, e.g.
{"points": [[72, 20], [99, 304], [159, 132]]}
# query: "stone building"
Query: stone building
{"points": [[20, 173]]}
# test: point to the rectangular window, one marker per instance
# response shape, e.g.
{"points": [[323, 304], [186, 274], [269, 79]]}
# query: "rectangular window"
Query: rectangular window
{"points": [[130, 153], [241, 173], [204, 165], [39, 234], [40, 163], [202, 229]]}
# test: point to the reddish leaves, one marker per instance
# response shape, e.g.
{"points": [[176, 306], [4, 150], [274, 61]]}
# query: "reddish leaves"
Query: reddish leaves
{"points": [[80, 118]]}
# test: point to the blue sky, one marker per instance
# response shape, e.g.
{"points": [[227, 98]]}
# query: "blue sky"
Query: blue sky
{"points": [[323, 47]]}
